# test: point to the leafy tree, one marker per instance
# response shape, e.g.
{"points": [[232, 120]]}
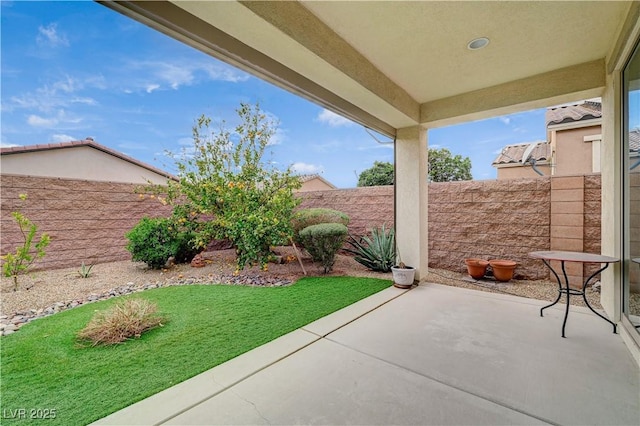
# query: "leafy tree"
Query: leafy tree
{"points": [[443, 167], [227, 189], [380, 174]]}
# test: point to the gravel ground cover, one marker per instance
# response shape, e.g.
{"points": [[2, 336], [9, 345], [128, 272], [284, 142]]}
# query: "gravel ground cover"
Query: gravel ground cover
{"points": [[43, 293]]}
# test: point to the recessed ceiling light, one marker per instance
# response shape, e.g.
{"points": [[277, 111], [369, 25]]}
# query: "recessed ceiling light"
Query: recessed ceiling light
{"points": [[478, 43]]}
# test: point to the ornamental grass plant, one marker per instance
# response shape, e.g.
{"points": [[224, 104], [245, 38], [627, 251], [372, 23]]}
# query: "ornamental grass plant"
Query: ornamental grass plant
{"points": [[126, 319]]}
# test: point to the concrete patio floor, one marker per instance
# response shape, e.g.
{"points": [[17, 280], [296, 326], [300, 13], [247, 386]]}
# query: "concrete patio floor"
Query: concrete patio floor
{"points": [[432, 355]]}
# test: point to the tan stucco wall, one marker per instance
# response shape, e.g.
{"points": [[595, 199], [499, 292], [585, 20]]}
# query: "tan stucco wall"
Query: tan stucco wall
{"points": [[574, 156], [412, 197], [314, 184], [611, 197], [83, 162], [521, 172]]}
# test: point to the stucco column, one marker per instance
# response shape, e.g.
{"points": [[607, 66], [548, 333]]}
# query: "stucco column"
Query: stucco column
{"points": [[611, 196], [411, 192]]}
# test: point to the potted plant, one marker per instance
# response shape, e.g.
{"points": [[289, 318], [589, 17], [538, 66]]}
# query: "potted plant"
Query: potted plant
{"points": [[477, 268], [403, 275], [502, 269]]}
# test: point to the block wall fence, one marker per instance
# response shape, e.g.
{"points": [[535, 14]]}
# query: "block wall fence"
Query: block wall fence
{"points": [[488, 219], [87, 220]]}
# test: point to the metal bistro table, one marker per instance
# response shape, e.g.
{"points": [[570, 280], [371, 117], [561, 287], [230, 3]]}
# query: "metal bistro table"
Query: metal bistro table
{"points": [[579, 257]]}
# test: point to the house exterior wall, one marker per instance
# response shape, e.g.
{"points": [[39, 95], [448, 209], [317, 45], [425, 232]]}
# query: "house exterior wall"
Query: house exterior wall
{"points": [[83, 162], [574, 156], [86, 220], [520, 172], [314, 184]]}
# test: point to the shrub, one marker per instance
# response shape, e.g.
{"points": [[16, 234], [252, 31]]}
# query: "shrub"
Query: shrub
{"points": [[186, 248], [153, 241], [323, 241], [20, 262], [307, 217], [376, 252], [122, 321]]}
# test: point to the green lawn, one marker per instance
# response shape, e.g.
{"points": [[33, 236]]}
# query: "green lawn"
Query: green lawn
{"points": [[43, 368]]}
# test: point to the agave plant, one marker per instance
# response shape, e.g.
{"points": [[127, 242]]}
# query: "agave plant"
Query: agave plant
{"points": [[376, 252]]}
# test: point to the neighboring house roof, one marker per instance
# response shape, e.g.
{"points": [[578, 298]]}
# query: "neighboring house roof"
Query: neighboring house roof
{"points": [[89, 142], [585, 110], [515, 154], [634, 140], [307, 178]]}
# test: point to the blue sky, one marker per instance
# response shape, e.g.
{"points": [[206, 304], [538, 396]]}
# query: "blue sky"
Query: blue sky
{"points": [[72, 70]]}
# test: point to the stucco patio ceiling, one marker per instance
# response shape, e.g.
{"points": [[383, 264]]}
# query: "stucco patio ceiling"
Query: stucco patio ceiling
{"points": [[395, 64]]}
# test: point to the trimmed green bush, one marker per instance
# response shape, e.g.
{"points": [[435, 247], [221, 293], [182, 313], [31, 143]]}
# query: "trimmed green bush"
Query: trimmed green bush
{"points": [[323, 241], [376, 252], [185, 246], [307, 217], [152, 241]]}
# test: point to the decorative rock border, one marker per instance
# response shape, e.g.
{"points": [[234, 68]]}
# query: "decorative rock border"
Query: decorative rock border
{"points": [[9, 324]]}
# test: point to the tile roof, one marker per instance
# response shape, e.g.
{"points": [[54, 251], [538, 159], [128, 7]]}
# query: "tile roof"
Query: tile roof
{"points": [[512, 154], [634, 140], [89, 142], [308, 177], [585, 110]]}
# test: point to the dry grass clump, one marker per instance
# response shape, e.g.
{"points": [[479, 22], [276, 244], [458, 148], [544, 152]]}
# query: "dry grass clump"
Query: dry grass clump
{"points": [[122, 321]]}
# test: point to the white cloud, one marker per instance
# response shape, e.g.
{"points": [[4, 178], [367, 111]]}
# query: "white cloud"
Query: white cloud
{"points": [[52, 121], [225, 72], [62, 138], [153, 75], [332, 119], [278, 137], [49, 37], [505, 120], [306, 169], [37, 121], [7, 145], [174, 74], [55, 95]]}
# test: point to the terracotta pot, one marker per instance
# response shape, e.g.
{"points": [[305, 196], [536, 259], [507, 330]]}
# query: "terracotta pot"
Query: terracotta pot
{"points": [[476, 267], [502, 269]]}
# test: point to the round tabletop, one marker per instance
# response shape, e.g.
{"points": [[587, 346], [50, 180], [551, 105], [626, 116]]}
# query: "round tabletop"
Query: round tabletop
{"points": [[573, 256]]}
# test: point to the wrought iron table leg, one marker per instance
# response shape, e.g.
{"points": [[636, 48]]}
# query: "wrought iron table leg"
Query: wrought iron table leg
{"points": [[568, 291], [559, 287], [584, 296]]}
